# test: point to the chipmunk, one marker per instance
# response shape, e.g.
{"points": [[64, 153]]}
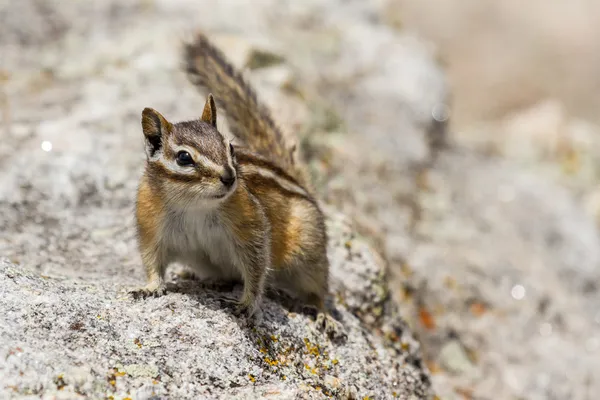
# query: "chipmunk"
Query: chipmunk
{"points": [[229, 212]]}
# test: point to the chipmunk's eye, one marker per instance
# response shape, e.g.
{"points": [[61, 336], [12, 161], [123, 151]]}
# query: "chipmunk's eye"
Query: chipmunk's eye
{"points": [[231, 149], [184, 159]]}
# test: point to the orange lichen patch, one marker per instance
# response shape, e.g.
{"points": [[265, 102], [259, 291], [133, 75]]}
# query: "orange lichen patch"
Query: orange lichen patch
{"points": [[433, 367], [473, 355], [252, 378], [284, 358], [312, 370], [569, 158], [313, 349], [450, 282], [271, 362], [466, 393], [406, 294], [112, 377], [137, 342], [426, 318], [406, 270], [477, 309], [422, 180], [392, 336], [340, 298], [60, 382]]}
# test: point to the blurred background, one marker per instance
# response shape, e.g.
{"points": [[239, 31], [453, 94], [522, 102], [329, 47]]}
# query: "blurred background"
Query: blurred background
{"points": [[461, 136], [502, 57]]}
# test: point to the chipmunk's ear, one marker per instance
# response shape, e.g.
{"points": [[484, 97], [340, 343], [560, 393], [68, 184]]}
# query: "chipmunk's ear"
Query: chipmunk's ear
{"points": [[209, 114], [155, 127]]}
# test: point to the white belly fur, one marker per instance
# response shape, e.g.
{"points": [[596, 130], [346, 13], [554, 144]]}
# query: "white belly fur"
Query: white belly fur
{"points": [[198, 240]]}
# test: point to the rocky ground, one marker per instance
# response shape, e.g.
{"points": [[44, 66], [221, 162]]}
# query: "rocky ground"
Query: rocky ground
{"points": [[75, 80], [489, 234]]}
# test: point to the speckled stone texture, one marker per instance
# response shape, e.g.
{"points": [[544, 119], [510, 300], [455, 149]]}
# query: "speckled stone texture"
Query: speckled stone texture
{"points": [[64, 336], [74, 81]]}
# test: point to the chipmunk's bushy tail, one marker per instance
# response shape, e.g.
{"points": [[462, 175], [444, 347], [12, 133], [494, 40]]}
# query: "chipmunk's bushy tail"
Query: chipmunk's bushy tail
{"points": [[248, 119]]}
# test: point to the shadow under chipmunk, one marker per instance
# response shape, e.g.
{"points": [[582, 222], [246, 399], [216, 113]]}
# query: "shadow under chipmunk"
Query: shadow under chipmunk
{"points": [[186, 282]]}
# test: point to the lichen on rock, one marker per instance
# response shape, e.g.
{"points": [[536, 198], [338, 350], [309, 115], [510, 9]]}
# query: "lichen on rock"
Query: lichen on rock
{"points": [[71, 159], [69, 335]]}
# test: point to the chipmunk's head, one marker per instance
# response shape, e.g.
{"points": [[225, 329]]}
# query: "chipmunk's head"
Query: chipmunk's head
{"points": [[194, 163]]}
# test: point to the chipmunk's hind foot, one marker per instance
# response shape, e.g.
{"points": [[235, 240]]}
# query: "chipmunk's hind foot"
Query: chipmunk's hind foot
{"points": [[241, 309], [324, 321], [153, 289], [330, 326]]}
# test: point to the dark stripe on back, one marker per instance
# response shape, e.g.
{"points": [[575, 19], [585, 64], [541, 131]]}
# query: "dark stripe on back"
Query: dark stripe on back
{"points": [[244, 157], [259, 181]]}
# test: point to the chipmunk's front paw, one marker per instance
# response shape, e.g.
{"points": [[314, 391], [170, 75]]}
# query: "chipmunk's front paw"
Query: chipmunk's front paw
{"points": [[333, 328], [240, 308], [153, 289]]}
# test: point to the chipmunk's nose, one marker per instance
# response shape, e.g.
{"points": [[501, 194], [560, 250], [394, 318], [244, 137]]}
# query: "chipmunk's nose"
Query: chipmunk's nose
{"points": [[228, 178]]}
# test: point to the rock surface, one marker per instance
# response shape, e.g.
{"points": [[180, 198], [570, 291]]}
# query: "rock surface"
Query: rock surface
{"points": [[65, 336], [75, 79], [491, 243], [492, 240]]}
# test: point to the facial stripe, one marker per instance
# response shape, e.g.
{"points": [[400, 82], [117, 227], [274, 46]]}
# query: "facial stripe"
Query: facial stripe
{"points": [[201, 160], [198, 158], [174, 168], [209, 164], [159, 169], [227, 143]]}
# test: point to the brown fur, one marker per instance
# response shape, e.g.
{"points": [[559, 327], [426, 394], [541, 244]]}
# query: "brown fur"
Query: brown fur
{"points": [[230, 213], [149, 204]]}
